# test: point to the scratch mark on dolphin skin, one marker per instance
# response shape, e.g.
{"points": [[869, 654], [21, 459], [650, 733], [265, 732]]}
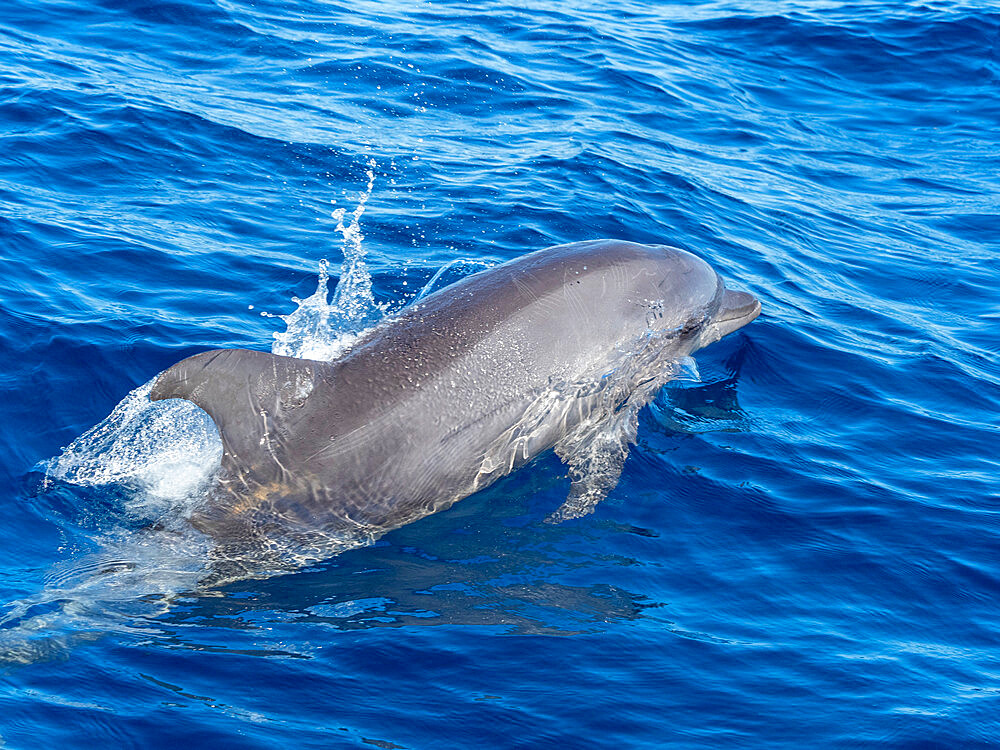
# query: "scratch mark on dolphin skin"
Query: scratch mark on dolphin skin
{"points": [[270, 448]]}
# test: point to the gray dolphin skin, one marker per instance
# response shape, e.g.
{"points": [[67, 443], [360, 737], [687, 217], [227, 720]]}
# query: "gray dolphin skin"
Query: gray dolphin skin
{"points": [[556, 349]]}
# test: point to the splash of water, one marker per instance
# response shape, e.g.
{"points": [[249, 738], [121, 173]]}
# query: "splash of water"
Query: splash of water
{"points": [[322, 327], [165, 451], [448, 273], [164, 455]]}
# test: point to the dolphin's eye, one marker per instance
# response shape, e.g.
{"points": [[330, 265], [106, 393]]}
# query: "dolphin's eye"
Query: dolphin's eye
{"points": [[692, 325]]}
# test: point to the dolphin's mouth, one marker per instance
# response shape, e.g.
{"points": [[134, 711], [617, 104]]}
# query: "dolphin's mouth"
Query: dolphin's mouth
{"points": [[737, 309]]}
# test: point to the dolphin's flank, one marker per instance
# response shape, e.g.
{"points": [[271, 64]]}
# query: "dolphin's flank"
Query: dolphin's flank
{"points": [[557, 349]]}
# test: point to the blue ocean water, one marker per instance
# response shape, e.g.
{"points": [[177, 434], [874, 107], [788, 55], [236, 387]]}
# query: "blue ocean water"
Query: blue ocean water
{"points": [[803, 548]]}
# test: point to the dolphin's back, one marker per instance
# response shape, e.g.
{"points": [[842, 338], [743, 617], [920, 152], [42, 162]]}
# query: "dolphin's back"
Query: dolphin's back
{"points": [[572, 297], [400, 426]]}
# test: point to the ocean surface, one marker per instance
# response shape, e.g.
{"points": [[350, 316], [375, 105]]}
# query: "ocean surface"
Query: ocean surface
{"points": [[804, 548]]}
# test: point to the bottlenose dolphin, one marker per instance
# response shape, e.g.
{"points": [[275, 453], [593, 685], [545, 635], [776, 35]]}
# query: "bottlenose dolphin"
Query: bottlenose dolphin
{"points": [[556, 349]]}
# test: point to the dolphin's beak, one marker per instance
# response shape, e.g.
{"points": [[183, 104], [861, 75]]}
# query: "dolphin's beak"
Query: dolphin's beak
{"points": [[737, 309]]}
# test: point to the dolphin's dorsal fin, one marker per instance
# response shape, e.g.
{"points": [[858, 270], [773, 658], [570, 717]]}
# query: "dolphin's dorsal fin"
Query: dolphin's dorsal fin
{"points": [[253, 398]]}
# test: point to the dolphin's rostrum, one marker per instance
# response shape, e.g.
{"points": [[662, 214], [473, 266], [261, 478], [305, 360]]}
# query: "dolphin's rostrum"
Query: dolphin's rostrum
{"points": [[556, 349]]}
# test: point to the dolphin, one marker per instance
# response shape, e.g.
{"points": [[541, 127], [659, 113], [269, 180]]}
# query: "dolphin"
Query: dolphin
{"points": [[558, 349]]}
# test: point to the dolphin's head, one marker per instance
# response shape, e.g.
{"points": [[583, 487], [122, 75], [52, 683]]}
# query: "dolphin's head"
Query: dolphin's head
{"points": [[696, 300], [611, 288]]}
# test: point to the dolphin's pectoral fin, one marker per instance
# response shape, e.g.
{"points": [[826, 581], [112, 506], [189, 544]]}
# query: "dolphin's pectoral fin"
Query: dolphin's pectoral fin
{"points": [[594, 471], [595, 454]]}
